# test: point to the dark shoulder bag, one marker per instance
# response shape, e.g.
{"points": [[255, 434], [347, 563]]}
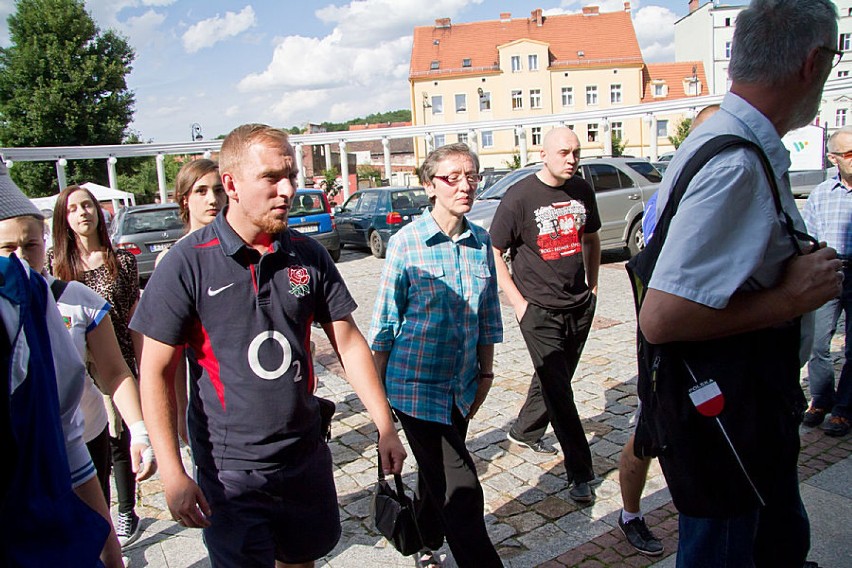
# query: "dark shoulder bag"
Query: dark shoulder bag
{"points": [[722, 415]]}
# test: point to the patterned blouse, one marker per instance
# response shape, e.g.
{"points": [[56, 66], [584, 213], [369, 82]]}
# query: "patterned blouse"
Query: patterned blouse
{"points": [[121, 292]]}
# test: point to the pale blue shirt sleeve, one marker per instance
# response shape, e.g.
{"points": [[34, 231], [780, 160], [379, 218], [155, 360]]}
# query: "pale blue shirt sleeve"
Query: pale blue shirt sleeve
{"points": [[720, 234], [392, 297]]}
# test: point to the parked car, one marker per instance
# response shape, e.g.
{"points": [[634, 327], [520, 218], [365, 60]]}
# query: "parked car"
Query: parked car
{"points": [[490, 176], [146, 230], [310, 214], [661, 166], [622, 186], [371, 216]]}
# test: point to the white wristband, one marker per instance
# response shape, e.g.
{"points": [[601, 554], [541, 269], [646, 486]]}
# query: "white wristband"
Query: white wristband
{"points": [[139, 434]]}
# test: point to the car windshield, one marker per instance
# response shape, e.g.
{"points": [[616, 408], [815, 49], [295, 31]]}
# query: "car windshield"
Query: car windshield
{"points": [[409, 199], [646, 170], [500, 188], [307, 204], [152, 220]]}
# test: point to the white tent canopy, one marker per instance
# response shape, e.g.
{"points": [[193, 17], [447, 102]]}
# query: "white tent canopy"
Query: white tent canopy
{"points": [[102, 193]]}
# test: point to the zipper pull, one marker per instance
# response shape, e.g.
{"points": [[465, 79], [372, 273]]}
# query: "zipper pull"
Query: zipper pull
{"points": [[654, 367]]}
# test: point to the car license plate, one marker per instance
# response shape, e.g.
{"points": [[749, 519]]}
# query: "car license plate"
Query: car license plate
{"points": [[157, 247], [314, 228]]}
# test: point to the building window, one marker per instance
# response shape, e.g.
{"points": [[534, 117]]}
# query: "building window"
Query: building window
{"points": [[841, 74], [567, 96], [532, 62], [516, 63], [536, 135], [845, 43], [535, 98], [517, 100], [439, 140], [727, 50], [487, 138], [434, 65], [662, 128], [592, 130], [517, 138], [692, 87], [461, 103], [727, 22], [437, 104], [462, 138], [485, 100], [592, 95], [617, 130], [465, 62], [840, 117], [660, 90], [615, 94]]}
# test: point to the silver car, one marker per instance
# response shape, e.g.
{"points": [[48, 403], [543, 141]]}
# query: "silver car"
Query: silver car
{"points": [[146, 230], [622, 186]]}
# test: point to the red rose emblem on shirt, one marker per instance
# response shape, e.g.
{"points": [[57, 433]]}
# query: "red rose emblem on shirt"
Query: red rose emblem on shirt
{"points": [[299, 279]]}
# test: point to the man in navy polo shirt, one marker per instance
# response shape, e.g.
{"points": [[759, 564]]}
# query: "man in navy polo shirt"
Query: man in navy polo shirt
{"points": [[241, 294]]}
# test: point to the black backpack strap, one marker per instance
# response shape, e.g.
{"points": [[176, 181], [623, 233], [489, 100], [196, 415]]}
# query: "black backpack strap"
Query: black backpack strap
{"points": [[57, 288]]}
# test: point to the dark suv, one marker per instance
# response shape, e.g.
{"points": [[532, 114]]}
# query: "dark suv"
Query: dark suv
{"points": [[310, 214]]}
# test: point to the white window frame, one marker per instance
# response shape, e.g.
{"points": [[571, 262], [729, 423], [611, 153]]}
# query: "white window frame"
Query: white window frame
{"points": [[486, 137], [532, 62], [439, 140], [592, 132], [437, 104], [840, 117], [535, 135], [591, 95], [567, 96], [845, 42], [728, 45], [662, 128], [516, 63], [535, 98], [615, 93], [617, 128], [842, 73], [462, 137], [517, 98], [463, 107], [485, 101]]}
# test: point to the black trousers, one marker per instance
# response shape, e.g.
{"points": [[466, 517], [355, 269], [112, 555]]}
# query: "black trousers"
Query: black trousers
{"points": [[555, 340], [122, 468], [100, 451], [449, 500]]}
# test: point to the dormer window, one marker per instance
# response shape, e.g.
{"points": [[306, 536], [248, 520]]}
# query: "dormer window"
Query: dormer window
{"points": [[435, 65], [659, 89], [465, 62]]}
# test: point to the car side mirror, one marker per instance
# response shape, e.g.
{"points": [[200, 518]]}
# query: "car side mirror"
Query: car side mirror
{"points": [[337, 210]]}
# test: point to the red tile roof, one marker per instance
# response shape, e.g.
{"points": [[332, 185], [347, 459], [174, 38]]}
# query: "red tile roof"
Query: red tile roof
{"points": [[605, 39], [673, 74]]}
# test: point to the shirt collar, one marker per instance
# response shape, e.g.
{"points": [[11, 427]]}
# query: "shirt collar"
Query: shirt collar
{"points": [[838, 183], [762, 131], [231, 243], [433, 230]]}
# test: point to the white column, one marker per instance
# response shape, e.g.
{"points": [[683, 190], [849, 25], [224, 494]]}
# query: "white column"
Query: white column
{"points": [[607, 137], [387, 156], [522, 144], [326, 148], [652, 130], [60, 173], [429, 140], [207, 154], [344, 169], [472, 141], [111, 161], [299, 163], [161, 177]]}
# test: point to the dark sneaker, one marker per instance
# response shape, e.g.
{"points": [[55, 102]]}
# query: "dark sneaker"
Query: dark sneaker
{"points": [[538, 446], [814, 417], [837, 426], [640, 536], [581, 493], [127, 528]]}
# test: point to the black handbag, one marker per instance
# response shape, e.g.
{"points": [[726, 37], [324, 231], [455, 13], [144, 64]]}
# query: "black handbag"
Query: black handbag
{"points": [[326, 409], [392, 512]]}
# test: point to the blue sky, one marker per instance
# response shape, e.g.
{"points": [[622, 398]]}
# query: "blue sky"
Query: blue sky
{"points": [[287, 62]]}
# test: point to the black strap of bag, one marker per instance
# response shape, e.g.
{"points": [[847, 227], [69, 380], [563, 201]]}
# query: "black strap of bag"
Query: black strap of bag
{"points": [[393, 514]]}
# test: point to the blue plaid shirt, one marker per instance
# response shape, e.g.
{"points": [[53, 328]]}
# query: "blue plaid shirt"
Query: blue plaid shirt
{"points": [[828, 215], [437, 301]]}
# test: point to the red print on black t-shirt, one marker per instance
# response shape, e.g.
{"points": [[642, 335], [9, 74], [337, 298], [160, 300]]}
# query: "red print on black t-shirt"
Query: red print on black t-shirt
{"points": [[560, 229]]}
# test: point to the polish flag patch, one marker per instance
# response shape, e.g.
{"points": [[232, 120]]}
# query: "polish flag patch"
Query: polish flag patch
{"points": [[707, 398]]}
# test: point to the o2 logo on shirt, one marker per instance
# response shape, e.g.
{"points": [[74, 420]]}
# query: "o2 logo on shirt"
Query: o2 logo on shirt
{"points": [[286, 357]]}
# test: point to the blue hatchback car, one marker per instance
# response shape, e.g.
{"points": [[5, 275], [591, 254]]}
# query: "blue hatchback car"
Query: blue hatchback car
{"points": [[310, 213]]}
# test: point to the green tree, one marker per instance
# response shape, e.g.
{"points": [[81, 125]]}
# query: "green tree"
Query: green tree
{"points": [[62, 83], [618, 146], [682, 132], [514, 163], [367, 171]]}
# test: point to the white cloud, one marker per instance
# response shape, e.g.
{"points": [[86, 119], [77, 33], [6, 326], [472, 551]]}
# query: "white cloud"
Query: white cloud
{"points": [[655, 31], [207, 33], [142, 29]]}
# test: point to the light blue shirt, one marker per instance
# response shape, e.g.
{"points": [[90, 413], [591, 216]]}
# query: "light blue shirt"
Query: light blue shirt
{"points": [[437, 302], [727, 235], [828, 215]]}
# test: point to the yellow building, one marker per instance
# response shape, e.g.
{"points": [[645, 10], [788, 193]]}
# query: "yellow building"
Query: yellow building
{"points": [[514, 69]]}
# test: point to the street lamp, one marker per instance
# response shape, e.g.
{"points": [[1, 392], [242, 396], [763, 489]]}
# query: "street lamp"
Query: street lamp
{"points": [[195, 134]]}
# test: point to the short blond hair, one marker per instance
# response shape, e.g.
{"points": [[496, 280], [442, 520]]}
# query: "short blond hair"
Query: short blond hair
{"points": [[238, 141]]}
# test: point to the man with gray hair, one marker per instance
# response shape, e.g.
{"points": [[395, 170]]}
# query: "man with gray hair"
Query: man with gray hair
{"points": [[730, 285], [828, 215]]}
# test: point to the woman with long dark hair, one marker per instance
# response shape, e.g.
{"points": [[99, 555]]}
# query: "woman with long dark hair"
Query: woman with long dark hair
{"points": [[82, 252]]}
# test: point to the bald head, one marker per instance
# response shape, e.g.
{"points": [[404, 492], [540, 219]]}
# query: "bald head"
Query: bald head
{"points": [[703, 115], [560, 153]]}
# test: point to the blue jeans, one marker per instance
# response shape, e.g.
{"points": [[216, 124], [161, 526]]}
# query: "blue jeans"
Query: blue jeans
{"points": [[777, 535], [821, 367]]}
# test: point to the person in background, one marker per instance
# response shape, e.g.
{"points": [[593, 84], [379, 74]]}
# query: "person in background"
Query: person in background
{"points": [[828, 215], [82, 251], [52, 512], [434, 327]]}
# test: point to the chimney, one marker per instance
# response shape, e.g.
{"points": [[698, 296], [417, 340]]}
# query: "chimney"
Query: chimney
{"points": [[590, 10], [535, 16], [442, 23], [627, 7], [693, 5], [505, 16]]}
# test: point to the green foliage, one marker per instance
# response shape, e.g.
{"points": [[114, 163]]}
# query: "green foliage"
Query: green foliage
{"points": [[366, 171], [514, 163], [682, 132], [402, 115], [62, 83], [143, 180], [329, 182], [618, 146]]}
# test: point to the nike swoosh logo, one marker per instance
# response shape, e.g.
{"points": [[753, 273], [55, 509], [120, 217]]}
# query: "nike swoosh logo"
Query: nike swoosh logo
{"points": [[211, 292]]}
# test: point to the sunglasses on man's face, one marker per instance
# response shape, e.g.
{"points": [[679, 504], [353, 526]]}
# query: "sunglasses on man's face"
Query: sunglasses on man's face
{"points": [[847, 155]]}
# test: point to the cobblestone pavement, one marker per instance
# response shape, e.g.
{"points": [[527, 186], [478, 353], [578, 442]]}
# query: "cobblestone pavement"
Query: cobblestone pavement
{"points": [[530, 516]]}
